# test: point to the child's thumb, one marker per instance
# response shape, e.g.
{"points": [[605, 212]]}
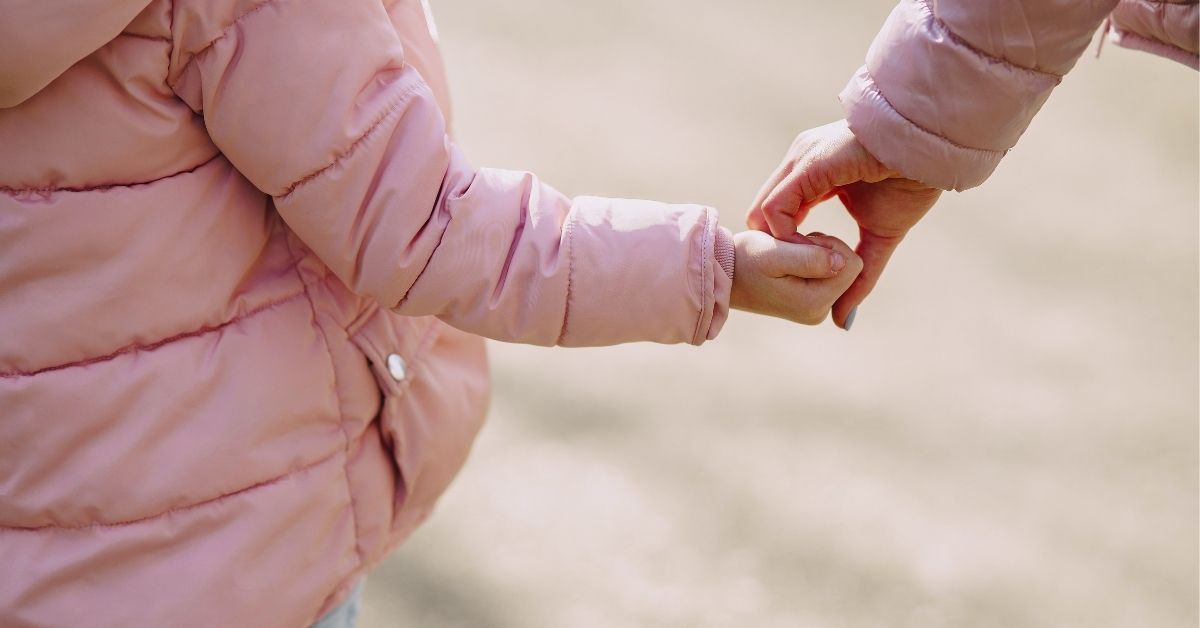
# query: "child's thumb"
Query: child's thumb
{"points": [[809, 261]]}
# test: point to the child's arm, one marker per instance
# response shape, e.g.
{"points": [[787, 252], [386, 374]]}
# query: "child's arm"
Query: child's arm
{"points": [[312, 101]]}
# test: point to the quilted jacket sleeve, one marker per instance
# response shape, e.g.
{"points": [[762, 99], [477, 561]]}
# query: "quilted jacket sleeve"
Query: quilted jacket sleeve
{"points": [[950, 85], [313, 102]]}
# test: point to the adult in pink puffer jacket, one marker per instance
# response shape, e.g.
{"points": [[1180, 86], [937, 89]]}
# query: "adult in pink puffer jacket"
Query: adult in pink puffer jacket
{"points": [[948, 88], [241, 259]]}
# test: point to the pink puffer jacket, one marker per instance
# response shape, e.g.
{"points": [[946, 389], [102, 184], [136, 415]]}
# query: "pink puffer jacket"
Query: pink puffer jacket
{"points": [[950, 85], [242, 263]]}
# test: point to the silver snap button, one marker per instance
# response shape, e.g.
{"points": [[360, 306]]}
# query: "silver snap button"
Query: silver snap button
{"points": [[396, 367]]}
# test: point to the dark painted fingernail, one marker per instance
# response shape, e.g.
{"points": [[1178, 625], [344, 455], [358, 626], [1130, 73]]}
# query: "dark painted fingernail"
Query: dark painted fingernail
{"points": [[850, 318]]}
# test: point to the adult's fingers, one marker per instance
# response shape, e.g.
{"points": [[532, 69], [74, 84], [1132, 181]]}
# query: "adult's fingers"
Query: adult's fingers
{"points": [[788, 202], [780, 222], [754, 217], [813, 179], [820, 162], [875, 252], [782, 203]]}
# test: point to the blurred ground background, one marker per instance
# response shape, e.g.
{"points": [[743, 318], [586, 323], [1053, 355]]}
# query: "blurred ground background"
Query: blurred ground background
{"points": [[1007, 438]]}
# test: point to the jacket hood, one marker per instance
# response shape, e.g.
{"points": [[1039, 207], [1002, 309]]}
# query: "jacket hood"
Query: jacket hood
{"points": [[39, 40]]}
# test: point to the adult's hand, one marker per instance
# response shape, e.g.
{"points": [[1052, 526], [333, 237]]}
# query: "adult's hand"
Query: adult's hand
{"points": [[828, 161]]}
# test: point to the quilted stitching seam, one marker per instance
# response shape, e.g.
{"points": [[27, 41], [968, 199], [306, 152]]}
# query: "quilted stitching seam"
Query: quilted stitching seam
{"points": [[224, 31], [943, 28], [49, 189], [138, 348], [389, 112], [178, 509]]}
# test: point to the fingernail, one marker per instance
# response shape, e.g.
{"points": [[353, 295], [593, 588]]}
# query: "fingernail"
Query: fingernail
{"points": [[836, 261], [850, 318]]}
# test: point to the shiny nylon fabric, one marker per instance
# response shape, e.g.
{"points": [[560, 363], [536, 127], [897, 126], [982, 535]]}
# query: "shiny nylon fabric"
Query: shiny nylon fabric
{"points": [[949, 86], [216, 233]]}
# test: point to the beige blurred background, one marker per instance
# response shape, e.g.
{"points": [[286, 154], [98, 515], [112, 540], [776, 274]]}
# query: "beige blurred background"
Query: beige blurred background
{"points": [[1007, 438]]}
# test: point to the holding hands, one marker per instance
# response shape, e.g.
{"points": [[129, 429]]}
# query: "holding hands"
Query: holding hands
{"points": [[829, 161], [796, 278]]}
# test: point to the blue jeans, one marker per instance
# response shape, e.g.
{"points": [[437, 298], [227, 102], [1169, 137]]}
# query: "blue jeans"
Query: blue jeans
{"points": [[345, 615]]}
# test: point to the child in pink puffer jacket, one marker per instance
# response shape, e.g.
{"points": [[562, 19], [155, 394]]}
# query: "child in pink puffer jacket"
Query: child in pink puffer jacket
{"points": [[245, 273]]}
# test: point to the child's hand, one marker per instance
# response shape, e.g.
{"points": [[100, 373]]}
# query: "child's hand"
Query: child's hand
{"points": [[790, 280]]}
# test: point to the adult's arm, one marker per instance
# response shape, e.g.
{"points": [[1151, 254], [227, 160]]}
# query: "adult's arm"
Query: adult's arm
{"points": [[947, 89], [949, 86]]}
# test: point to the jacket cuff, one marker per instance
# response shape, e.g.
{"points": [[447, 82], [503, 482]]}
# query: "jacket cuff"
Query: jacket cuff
{"points": [[1163, 28], [724, 254], [903, 146], [1134, 41]]}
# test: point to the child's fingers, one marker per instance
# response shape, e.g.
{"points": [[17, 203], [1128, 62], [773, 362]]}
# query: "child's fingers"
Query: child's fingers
{"points": [[799, 238], [824, 293], [808, 261], [830, 242], [798, 280], [854, 263]]}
